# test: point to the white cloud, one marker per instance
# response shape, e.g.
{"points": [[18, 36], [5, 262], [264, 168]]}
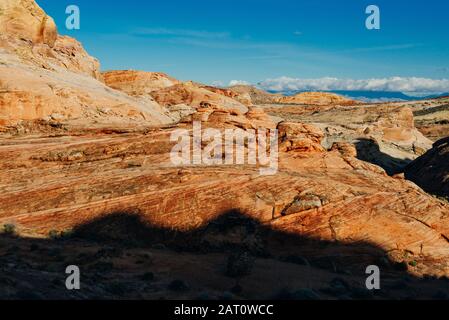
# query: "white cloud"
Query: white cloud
{"points": [[201, 34], [217, 83], [238, 83], [400, 84]]}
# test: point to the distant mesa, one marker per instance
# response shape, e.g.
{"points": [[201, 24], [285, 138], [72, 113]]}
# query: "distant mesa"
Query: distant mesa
{"points": [[317, 98], [257, 96]]}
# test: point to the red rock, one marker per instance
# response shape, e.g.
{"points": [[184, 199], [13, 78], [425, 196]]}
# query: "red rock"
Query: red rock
{"points": [[317, 98]]}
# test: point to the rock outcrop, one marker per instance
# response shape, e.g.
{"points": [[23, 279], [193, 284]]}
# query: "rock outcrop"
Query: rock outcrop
{"points": [[431, 170], [47, 77], [24, 19], [382, 134], [192, 95], [138, 83], [317, 98], [316, 194], [102, 170], [243, 97], [257, 96], [432, 118], [300, 137]]}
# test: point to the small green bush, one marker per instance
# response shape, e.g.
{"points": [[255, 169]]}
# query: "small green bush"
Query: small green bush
{"points": [[413, 263], [54, 234], [66, 234], [9, 229]]}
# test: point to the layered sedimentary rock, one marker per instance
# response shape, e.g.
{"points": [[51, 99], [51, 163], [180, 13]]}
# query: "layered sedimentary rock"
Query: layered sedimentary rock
{"points": [[325, 196], [300, 137], [52, 78], [242, 97], [192, 95], [138, 83], [317, 98], [432, 118], [431, 170], [24, 19], [323, 208], [382, 134], [257, 96]]}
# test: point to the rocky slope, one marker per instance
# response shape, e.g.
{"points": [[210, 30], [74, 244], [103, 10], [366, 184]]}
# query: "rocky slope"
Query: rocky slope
{"points": [[431, 171], [26, 20], [193, 95], [47, 77], [242, 97], [432, 118], [257, 96], [103, 193], [317, 98], [382, 134], [138, 83]]}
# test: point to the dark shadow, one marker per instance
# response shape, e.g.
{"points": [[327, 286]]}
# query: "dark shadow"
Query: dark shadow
{"points": [[368, 150], [430, 170], [121, 256], [430, 110]]}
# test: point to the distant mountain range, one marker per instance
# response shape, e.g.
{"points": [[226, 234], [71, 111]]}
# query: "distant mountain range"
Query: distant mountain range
{"points": [[374, 96]]}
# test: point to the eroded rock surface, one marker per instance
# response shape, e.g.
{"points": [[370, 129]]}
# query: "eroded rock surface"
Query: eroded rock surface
{"points": [[316, 98], [47, 77], [431, 170], [382, 134], [88, 167]]}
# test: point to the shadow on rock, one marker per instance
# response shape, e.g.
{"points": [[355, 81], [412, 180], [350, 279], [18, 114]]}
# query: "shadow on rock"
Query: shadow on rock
{"points": [[368, 150], [121, 256]]}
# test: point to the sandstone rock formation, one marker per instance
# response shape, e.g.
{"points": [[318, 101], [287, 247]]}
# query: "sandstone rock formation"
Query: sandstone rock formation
{"points": [[433, 119], [431, 170], [317, 98], [242, 97], [24, 19], [138, 83], [315, 195], [218, 117], [300, 137], [98, 166], [382, 134], [257, 96], [51, 78], [192, 95]]}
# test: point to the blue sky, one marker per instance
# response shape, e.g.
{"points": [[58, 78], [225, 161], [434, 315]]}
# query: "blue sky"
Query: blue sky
{"points": [[255, 40]]}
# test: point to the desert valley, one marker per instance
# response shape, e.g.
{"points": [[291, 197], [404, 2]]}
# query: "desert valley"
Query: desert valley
{"points": [[86, 179]]}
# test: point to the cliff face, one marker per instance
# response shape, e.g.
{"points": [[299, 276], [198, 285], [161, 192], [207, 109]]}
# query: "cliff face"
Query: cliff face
{"points": [[26, 20], [47, 77]]}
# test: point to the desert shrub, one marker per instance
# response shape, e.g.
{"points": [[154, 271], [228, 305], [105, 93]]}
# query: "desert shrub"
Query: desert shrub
{"points": [[9, 229], [54, 234], [413, 263], [66, 234]]}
